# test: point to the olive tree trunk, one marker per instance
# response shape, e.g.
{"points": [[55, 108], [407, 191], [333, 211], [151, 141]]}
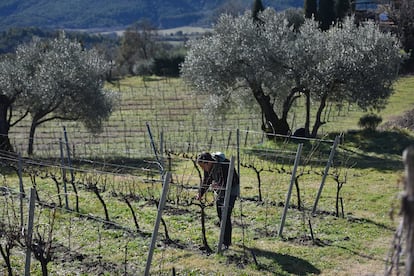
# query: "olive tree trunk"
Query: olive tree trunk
{"points": [[5, 144]]}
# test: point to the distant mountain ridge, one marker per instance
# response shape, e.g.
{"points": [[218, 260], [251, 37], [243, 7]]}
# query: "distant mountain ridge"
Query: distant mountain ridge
{"points": [[112, 14]]}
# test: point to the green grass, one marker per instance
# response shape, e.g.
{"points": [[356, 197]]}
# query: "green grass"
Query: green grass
{"points": [[402, 100], [355, 244]]}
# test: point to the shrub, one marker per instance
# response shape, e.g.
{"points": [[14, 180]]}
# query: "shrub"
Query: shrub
{"points": [[369, 121]]}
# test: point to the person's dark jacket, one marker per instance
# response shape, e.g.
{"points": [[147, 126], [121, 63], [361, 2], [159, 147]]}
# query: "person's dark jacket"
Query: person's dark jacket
{"points": [[217, 179]]}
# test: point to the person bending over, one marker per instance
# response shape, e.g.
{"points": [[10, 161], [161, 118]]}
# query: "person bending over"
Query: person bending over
{"points": [[216, 167]]}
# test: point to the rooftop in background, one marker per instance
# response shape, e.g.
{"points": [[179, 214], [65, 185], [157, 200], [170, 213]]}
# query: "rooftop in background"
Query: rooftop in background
{"points": [[362, 5]]}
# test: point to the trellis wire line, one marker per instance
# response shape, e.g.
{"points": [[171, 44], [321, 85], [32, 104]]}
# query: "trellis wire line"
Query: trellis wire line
{"points": [[57, 166], [54, 166], [267, 151], [88, 171], [131, 150], [86, 215]]}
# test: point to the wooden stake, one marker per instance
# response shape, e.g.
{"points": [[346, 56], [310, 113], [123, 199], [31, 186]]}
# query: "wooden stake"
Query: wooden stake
{"points": [[30, 231], [226, 204], [408, 208], [63, 174], [292, 181], [22, 194], [325, 174], [157, 221]]}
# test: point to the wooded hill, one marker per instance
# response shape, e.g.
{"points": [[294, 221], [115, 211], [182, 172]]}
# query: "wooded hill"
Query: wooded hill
{"points": [[108, 14]]}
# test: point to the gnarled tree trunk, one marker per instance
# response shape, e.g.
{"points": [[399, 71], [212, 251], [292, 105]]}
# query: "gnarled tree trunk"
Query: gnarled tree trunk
{"points": [[318, 123], [273, 124], [5, 144], [31, 138]]}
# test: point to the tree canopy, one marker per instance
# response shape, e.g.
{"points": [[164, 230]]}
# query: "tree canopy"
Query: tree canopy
{"points": [[403, 15], [326, 13], [53, 79], [275, 63], [310, 8]]}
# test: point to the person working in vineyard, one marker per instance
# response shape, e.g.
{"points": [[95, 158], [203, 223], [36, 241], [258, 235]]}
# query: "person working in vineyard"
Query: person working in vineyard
{"points": [[216, 167]]}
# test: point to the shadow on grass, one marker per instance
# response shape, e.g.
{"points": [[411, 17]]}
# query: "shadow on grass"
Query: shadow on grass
{"points": [[369, 221], [86, 264], [290, 264], [381, 150], [380, 142]]}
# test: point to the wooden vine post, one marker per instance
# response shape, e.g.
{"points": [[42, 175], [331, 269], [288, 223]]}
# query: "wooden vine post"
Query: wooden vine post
{"points": [[289, 193], [29, 233], [226, 204], [21, 187], [325, 174], [154, 148], [72, 174], [161, 205], [63, 174], [408, 208]]}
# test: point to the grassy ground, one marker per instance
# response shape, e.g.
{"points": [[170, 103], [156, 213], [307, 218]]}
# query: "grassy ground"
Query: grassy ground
{"points": [[402, 100], [355, 241]]}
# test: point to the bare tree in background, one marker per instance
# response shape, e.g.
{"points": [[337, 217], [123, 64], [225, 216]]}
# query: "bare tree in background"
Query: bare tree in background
{"points": [[138, 48], [401, 12]]}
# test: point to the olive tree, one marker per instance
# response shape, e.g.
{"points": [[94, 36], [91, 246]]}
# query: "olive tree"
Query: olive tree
{"points": [[10, 92], [275, 63], [54, 79]]}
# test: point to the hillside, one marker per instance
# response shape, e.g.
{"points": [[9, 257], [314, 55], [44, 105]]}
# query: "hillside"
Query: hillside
{"points": [[108, 14]]}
